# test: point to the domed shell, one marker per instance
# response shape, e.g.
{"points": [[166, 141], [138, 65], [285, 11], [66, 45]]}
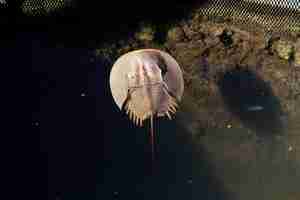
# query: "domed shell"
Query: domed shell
{"points": [[127, 64]]}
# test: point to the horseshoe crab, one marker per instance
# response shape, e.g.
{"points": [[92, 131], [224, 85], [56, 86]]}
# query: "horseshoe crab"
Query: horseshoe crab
{"points": [[147, 83]]}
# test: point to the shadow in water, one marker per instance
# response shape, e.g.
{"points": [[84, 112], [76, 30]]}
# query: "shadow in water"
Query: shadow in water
{"points": [[253, 101]]}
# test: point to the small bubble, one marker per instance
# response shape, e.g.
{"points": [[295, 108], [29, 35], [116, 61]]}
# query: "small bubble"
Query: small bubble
{"points": [[190, 181], [115, 193]]}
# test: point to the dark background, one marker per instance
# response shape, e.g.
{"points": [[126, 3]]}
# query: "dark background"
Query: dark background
{"points": [[86, 147]]}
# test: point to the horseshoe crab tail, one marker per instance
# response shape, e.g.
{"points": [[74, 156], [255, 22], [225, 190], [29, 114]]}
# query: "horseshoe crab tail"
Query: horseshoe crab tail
{"points": [[152, 136]]}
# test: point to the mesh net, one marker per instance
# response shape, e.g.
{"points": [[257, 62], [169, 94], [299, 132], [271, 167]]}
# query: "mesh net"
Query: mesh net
{"points": [[273, 16], [42, 7]]}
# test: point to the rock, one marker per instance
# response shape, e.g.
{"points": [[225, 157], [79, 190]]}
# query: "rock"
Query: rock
{"points": [[284, 49], [297, 53], [216, 31], [175, 34]]}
